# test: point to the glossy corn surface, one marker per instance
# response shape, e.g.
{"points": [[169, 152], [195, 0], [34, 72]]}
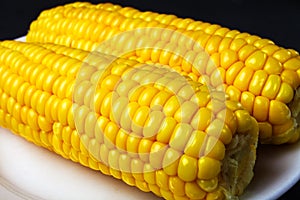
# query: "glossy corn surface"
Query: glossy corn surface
{"points": [[163, 132], [252, 70]]}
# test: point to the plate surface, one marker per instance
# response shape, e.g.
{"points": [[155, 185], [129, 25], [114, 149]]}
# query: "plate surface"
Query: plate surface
{"points": [[31, 172]]}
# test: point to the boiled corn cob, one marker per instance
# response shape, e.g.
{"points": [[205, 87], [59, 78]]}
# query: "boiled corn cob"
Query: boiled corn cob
{"points": [[163, 132], [264, 77]]}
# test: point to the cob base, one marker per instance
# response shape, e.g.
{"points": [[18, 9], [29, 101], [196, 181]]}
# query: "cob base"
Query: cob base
{"points": [[238, 164], [294, 106]]}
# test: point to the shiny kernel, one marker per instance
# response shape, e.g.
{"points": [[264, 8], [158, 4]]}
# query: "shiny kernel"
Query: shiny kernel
{"points": [[193, 191], [139, 119], [246, 51], [110, 134], [247, 100], [124, 164], [186, 112], [166, 129], [265, 130], [162, 179], [261, 108], [166, 194], [228, 57], [282, 55], [213, 63], [63, 108], [121, 139], [290, 77], [216, 195], [180, 136], [79, 116], [149, 174], [195, 145], [171, 106], [137, 167], [219, 129], [258, 81], [213, 44], [32, 117], [243, 78], [256, 60], [144, 149], [157, 154], [201, 98], [177, 186], [214, 148], [135, 93], [233, 71], [44, 124], [281, 129], [187, 168], [119, 106], [106, 105], [270, 49], [273, 66], [127, 116], [113, 159], [80, 91], [244, 120], [279, 113], [110, 82], [147, 96], [188, 60], [125, 86], [271, 87], [208, 185], [21, 92], [237, 44], [234, 93], [285, 94], [202, 119], [90, 122], [153, 124], [208, 168], [225, 44], [171, 161], [104, 151], [132, 144]]}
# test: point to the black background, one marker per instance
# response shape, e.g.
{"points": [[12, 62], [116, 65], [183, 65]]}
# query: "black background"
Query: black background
{"points": [[275, 20]]}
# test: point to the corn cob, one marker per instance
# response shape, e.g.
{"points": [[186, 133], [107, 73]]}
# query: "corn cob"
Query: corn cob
{"points": [[162, 133], [265, 78]]}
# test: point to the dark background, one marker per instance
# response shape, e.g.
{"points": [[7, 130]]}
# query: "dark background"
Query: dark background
{"points": [[275, 20]]}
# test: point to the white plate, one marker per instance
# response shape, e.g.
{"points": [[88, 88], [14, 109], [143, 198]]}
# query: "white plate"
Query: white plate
{"points": [[31, 172]]}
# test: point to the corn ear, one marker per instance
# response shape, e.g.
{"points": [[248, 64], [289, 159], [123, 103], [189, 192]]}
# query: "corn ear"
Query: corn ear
{"points": [[264, 77], [163, 133]]}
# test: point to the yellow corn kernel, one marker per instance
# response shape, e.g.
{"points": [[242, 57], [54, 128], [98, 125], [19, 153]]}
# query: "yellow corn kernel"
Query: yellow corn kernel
{"points": [[187, 168], [193, 191], [279, 113], [243, 79], [285, 94], [247, 100], [256, 60], [233, 71], [291, 78], [266, 130], [177, 186], [261, 108], [208, 185], [257, 82], [208, 168], [272, 66], [271, 87]]}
